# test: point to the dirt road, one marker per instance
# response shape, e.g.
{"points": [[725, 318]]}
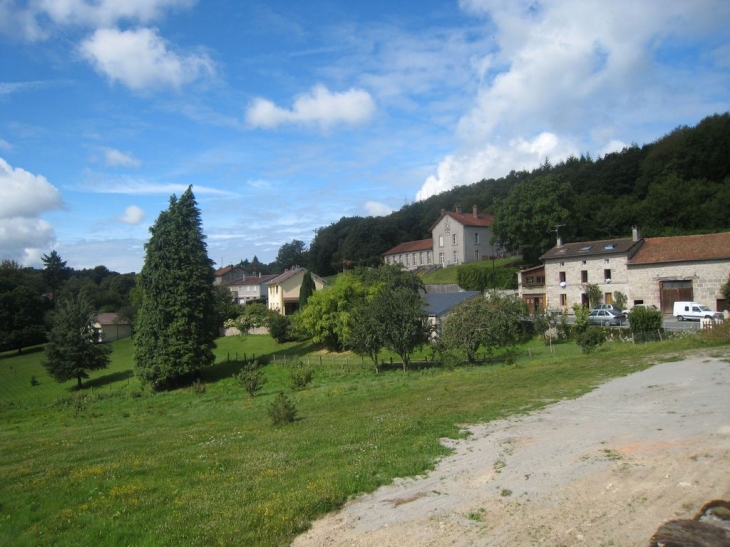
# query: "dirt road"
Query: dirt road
{"points": [[605, 469]]}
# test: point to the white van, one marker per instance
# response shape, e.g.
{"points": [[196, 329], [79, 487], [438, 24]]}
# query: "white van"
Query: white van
{"points": [[694, 310]]}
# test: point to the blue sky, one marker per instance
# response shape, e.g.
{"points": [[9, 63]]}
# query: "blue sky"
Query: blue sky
{"points": [[286, 116]]}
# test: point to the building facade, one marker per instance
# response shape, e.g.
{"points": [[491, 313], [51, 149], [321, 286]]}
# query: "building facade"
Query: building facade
{"points": [[411, 254], [459, 238], [284, 290]]}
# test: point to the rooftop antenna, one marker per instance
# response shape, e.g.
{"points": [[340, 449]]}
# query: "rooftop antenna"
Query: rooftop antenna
{"points": [[557, 233]]}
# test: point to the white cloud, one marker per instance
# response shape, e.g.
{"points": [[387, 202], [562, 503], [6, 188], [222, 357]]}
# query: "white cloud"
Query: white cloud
{"points": [[25, 195], [140, 59], [37, 19], [377, 209], [140, 187], [24, 198], [493, 161], [132, 215], [5, 145], [116, 158], [588, 73], [318, 107]]}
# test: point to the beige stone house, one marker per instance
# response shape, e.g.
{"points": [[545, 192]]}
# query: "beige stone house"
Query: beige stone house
{"points": [[284, 290], [457, 238], [531, 288], [653, 271], [670, 269]]}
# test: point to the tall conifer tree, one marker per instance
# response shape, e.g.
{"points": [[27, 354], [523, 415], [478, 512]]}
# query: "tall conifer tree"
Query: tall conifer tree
{"points": [[176, 324]]}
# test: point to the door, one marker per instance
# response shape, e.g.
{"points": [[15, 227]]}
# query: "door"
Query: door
{"points": [[674, 291]]}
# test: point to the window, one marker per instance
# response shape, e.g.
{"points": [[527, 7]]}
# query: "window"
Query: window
{"points": [[608, 298], [441, 241], [420, 258], [584, 276], [607, 260], [584, 263], [453, 239], [476, 255], [476, 238], [429, 256], [563, 300], [407, 260], [607, 275], [456, 258], [561, 276], [562, 264], [400, 259], [414, 259], [441, 258]]}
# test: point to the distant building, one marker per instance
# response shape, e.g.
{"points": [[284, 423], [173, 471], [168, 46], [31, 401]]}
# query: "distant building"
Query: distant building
{"points": [[250, 288], [284, 290], [108, 327]]}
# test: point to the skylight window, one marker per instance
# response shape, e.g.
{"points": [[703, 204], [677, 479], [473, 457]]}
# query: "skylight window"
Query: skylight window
{"points": [[610, 246], [586, 248]]}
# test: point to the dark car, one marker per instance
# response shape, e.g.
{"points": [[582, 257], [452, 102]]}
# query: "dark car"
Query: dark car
{"points": [[606, 318]]}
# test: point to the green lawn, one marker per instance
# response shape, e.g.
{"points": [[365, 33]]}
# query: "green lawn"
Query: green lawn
{"points": [[448, 275], [117, 465]]}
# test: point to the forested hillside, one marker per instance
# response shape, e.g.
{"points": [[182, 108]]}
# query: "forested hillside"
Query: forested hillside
{"points": [[679, 184]]}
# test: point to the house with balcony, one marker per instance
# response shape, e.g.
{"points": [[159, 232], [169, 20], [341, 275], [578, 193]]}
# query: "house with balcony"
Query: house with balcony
{"points": [[531, 288]]}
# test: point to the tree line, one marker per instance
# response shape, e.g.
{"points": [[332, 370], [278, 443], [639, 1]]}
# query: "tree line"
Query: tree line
{"points": [[679, 184]]}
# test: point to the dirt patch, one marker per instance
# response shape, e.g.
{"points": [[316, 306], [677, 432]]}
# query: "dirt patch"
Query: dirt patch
{"points": [[605, 469]]}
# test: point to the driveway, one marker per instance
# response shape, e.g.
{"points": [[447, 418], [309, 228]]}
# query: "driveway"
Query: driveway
{"points": [[605, 469]]}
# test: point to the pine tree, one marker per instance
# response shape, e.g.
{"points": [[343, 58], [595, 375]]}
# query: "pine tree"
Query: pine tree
{"points": [[55, 272], [176, 325], [72, 349], [306, 290]]}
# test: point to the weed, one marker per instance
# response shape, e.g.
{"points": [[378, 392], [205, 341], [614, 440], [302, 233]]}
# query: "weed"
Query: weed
{"points": [[505, 493]]}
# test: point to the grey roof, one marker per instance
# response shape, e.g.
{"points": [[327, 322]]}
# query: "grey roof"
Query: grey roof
{"points": [[593, 248], [439, 303]]}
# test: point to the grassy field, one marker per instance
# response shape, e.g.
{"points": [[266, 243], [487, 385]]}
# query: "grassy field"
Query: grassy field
{"points": [[117, 465]]}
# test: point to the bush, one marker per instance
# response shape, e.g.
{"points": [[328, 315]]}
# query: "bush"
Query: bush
{"points": [[643, 320], [581, 319], [591, 339], [300, 376], [251, 378], [282, 410], [280, 328]]}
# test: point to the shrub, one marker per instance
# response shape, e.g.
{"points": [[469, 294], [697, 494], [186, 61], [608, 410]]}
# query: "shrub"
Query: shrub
{"points": [[591, 339], [280, 328], [581, 319], [643, 320], [251, 378], [619, 300], [300, 376], [282, 410], [198, 387]]}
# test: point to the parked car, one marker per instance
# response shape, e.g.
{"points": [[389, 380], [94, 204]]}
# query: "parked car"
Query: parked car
{"points": [[606, 307], [606, 318], [695, 310]]}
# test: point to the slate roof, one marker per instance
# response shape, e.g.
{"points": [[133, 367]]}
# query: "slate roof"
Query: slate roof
{"points": [[683, 249], [625, 245], [411, 246], [439, 303], [286, 275], [252, 280]]}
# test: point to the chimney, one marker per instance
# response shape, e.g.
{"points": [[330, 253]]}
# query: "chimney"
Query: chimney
{"points": [[635, 233], [458, 209], [560, 241], [474, 211]]}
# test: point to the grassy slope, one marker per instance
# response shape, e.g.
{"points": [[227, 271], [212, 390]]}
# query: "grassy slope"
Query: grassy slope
{"points": [[448, 275], [180, 468]]}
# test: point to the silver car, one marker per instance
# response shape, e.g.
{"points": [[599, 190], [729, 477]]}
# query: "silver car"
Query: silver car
{"points": [[606, 318]]}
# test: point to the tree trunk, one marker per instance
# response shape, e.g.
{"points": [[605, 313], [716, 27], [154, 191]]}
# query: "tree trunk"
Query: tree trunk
{"points": [[78, 378]]}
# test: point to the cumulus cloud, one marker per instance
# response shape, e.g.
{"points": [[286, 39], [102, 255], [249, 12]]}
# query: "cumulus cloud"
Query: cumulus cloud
{"points": [[585, 72], [132, 215], [318, 107], [140, 59], [25, 198], [377, 209], [116, 158]]}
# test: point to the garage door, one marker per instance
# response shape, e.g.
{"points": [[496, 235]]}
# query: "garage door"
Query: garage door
{"points": [[675, 291]]}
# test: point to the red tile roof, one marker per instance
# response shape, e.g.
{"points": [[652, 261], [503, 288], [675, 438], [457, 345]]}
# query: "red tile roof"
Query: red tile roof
{"points": [[683, 249], [466, 219], [410, 247]]}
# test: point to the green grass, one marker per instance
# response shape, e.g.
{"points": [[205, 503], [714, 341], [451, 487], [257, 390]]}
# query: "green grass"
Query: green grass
{"points": [[118, 465], [449, 275]]}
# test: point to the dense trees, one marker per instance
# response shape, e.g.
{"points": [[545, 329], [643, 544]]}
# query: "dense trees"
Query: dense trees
{"points": [[22, 307], [177, 322], [73, 350], [291, 255], [677, 185]]}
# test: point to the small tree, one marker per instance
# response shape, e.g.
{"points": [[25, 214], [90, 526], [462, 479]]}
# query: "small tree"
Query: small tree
{"points": [[365, 336], [619, 300], [72, 350], [251, 378], [280, 328], [643, 321], [400, 312], [594, 294], [591, 339], [282, 410], [581, 319]]}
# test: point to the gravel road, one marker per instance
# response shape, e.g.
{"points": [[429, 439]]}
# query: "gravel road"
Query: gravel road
{"points": [[605, 469]]}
